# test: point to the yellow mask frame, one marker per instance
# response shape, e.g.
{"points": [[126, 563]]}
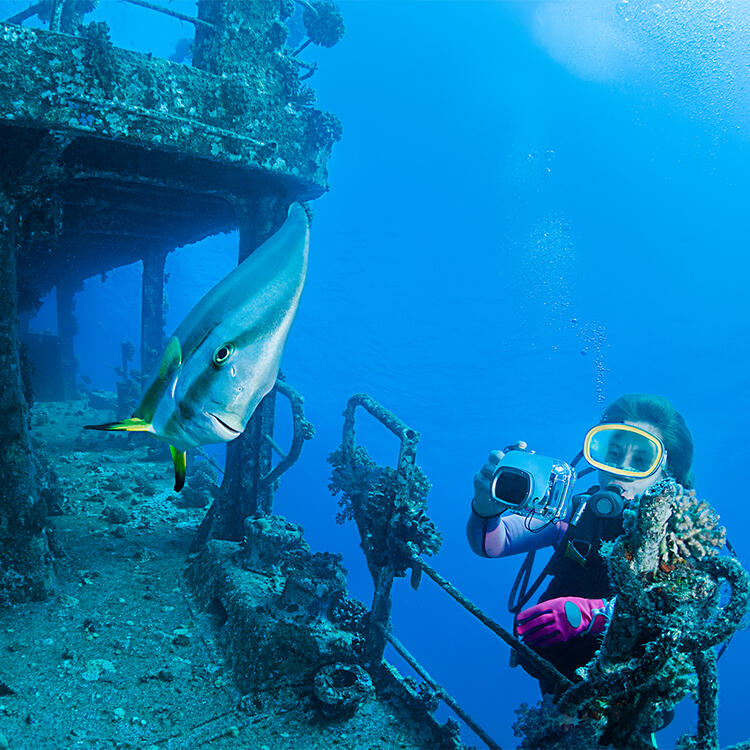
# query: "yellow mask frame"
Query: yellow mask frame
{"points": [[590, 447]]}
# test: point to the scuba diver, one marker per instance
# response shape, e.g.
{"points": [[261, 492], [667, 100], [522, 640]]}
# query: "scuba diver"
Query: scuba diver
{"points": [[522, 503]]}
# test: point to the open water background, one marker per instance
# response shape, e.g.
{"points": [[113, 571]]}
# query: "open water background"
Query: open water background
{"points": [[536, 207]]}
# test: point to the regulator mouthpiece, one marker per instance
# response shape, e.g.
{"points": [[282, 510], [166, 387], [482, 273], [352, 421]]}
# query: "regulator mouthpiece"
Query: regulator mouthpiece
{"points": [[608, 502]]}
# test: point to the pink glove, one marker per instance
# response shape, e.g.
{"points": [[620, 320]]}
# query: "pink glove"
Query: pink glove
{"points": [[558, 620]]}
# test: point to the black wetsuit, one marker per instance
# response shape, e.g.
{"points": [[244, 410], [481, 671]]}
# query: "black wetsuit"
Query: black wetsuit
{"points": [[578, 570]]}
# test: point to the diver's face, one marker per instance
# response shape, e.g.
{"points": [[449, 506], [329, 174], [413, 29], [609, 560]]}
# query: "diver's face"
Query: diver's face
{"points": [[630, 456]]}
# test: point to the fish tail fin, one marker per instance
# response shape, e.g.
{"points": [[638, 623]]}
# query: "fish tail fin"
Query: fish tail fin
{"points": [[132, 424], [179, 459]]}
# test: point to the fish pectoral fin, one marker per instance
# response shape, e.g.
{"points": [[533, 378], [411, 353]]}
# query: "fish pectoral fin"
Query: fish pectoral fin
{"points": [[132, 424], [179, 459]]}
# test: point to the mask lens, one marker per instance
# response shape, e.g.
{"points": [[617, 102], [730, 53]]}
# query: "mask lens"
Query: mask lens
{"points": [[623, 450]]}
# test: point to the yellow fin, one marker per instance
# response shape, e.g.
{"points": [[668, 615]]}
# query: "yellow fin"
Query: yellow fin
{"points": [[170, 361], [132, 424], [179, 459], [172, 357]]}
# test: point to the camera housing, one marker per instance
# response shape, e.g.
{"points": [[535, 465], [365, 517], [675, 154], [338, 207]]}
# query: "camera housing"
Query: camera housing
{"points": [[525, 482]]}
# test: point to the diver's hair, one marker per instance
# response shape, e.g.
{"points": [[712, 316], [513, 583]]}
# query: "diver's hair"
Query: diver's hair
{"points": [[658, 411]]}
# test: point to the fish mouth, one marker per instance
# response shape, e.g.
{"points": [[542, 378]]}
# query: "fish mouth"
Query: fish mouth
{"points": [[222, 425]]}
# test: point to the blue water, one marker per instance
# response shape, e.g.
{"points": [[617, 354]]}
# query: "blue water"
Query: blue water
{"points": [[536, 207]]}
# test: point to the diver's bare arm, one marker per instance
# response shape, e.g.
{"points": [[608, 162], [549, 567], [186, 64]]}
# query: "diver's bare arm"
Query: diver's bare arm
{"points": [[511, 534]]}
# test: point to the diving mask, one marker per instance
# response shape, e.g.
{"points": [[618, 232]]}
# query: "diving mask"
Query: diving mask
{"points": [[624, 450]]}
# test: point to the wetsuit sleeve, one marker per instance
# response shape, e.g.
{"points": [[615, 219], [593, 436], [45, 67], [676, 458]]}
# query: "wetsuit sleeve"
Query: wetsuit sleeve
{"points": [[511, 534]]}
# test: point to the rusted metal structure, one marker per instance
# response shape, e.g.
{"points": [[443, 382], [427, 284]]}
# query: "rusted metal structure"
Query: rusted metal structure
{"points": [[111, 157], [668, 617]]}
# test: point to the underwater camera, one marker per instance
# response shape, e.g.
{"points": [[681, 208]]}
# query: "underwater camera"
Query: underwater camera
{"points": [[525, 482]]}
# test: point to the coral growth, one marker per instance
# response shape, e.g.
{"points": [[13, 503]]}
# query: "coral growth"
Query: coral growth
{"points": [[659, 645], [339, 689], [323, 22], [692, 531], [202, 486], [391, 518], [349, 614], [541, 725]]}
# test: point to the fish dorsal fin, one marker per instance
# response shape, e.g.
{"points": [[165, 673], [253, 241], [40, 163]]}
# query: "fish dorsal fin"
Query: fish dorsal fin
{"points": [[170, 361], [179, 459]]}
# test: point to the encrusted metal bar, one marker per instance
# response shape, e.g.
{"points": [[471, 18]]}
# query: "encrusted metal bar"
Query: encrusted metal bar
{"points": [[67, 327], [166, 117], [438, 689], [302, 430], [19, 18], [152, 307], [55, 15], [539, 663], [380, 612], [307, 5], [160, 9], [408, 437], [274, 445], [708, 699]]}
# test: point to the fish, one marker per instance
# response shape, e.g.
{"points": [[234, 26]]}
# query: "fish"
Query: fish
{"points": [[224, 357]]}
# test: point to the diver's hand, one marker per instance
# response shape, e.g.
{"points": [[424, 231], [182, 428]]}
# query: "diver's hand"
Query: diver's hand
{"points": [[483, 504], [558, 620]]}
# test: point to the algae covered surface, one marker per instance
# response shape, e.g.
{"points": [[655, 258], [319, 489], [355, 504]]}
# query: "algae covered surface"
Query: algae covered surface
{"points": [[120, 656]]}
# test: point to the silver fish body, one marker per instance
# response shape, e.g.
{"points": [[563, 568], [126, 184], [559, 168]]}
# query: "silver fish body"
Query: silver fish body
{"points": [[224, 356], [248, 314]]}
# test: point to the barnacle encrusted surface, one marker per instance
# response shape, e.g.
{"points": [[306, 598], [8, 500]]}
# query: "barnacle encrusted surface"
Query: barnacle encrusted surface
{"points": [[692, 532]]}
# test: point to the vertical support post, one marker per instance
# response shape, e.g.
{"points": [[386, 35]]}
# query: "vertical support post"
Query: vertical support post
{"points": [[152, 309], [71, 15], [375, 534], [55, 14], [259, 217], [379, 622], [262, 425], [242, 492], [67, 328], [25, 569], [380, 612], [239, 36]]}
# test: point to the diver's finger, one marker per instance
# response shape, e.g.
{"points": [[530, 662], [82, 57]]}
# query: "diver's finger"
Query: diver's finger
{"points": [[495, 456], [543, 608], [542, 634], [528, 624]]}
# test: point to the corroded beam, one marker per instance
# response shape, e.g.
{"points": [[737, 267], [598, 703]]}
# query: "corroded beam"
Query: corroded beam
{"points": [[83, 85], [152, 308], [25, 564]]}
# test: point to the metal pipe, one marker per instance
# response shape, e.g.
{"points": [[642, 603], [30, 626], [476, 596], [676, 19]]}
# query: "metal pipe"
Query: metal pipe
{"points": [[303, 430], [307, 5], [190, 19], [274, 445], [439, 689], [19, 18], [539, 663]]}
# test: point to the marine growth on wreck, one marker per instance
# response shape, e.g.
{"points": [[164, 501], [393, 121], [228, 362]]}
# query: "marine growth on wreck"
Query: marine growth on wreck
{"points": [[153, 618]]}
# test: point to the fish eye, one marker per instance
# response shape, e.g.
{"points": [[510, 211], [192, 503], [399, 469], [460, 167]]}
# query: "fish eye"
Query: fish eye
{"points": [[223, 353]]}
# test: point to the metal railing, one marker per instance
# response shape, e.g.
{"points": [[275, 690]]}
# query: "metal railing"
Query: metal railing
{"points": [[53, 11], [356, 465]]}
